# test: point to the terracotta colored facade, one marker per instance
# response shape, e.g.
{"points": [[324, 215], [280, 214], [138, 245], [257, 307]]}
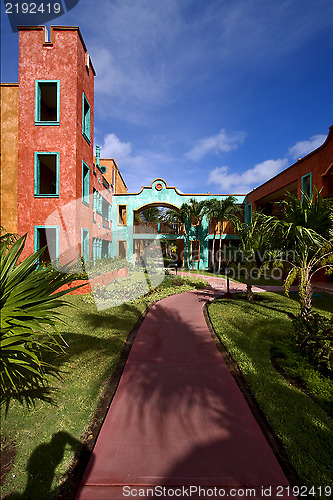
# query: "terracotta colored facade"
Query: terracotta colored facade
{"points": [[51, 182], [314, 170]]}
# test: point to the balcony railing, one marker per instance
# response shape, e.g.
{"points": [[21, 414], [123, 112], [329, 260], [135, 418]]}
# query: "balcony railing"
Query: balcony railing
{"points": [[158, 227], [226, 226]]}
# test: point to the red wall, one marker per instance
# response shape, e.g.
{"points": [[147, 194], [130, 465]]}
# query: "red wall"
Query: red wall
{"points": [[63, 60]]}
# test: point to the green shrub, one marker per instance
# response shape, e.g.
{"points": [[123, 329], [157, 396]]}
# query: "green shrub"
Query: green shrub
{"points": [[29, 310], [314, 337]]}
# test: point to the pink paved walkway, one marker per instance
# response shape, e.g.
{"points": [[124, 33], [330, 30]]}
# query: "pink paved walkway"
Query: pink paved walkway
{"points": [[178, 418]]}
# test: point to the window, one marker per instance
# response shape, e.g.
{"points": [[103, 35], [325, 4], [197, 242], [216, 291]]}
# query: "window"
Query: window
{"points": [[122, 249], [47, 102], [85, 244], [95, 195], [46, 174], [47, 236], [85, 183], [195, 250], [105, 212], [306, 185], [105, 249], [122, 215], [97, 248], [248, 213], [86, 119]]}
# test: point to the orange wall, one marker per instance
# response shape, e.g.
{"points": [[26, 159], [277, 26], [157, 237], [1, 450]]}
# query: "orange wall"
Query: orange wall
{"points": [[113, 173], [9, 160]]}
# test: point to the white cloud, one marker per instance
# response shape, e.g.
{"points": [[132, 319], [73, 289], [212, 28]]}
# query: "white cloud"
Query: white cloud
{"points": [[302, 148], [244, 182], [221, 142], [114, 148], [137, 168]]}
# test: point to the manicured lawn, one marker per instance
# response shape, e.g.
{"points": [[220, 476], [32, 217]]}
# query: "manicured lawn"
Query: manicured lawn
{"points": [[261, 280], [255, 332], [47, 437]]}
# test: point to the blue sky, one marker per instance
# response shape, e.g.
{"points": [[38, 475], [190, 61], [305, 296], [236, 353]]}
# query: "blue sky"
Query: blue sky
{"points": [[211, 95]]}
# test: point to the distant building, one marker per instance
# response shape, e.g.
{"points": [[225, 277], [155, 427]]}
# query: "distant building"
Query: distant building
{"points": [[314, 170]]}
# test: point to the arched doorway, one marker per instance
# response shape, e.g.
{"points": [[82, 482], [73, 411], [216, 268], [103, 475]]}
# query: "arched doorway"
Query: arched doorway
{"points": [[152, 218]]}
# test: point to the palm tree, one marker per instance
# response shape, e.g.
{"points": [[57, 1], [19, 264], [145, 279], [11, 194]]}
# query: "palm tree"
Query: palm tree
{"points": [[147, 216], [29, 308], [252, 239], [218, 211], [196, 209], [305, 231], [181, 217]]}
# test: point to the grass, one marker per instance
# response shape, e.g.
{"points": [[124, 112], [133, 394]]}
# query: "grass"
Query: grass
{"points": [[47, 437], [252, 333], [259, 281]]}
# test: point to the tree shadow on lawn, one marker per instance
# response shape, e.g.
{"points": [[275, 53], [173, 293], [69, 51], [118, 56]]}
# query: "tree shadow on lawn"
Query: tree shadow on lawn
{"points": [[122, 323], [42, 466], [265, 300], [113, 317]]}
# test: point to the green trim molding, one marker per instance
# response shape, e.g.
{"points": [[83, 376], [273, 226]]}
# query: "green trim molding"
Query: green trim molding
{"points": [[37, 240], [85, 118], [306, 182], [37, 174], [38, 102], [85, 183], [85, 244]]}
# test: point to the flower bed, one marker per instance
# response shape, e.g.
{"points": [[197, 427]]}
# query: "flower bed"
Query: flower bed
{"points": [[101, 280]]}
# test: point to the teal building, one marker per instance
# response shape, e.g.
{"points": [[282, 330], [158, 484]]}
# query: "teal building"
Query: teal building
{"points": [[129, 237]]}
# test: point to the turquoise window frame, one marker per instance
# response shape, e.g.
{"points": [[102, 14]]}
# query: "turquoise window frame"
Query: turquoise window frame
{"points": [[37, 174], [85, 244], [36, 238], [97, 249], [248, 213], [94, 249], [85, 183], [86, 118], [95, 194], [38, 121], [304, 183]]}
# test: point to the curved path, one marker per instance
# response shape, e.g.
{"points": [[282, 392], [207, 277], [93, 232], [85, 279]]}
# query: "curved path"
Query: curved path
{"points": [[178, 418]]}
